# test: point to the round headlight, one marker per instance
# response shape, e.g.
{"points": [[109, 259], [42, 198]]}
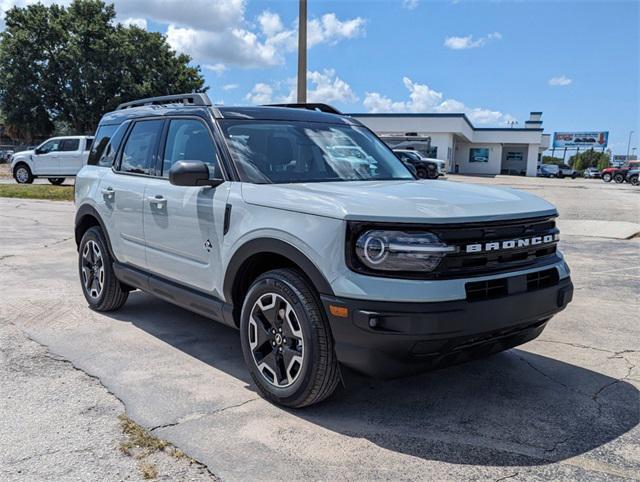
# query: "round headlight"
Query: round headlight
{"points": [[385, 250]]}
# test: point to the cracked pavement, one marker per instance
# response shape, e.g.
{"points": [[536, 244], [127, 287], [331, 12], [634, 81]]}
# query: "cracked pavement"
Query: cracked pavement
{"points": [[563, 406]]}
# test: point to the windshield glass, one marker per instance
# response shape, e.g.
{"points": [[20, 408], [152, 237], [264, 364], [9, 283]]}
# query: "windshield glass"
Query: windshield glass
{"points": [[287, 152]]}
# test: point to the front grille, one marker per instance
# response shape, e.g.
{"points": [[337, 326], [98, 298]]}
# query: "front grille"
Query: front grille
{"points": [[497, 288], [463, 264]]}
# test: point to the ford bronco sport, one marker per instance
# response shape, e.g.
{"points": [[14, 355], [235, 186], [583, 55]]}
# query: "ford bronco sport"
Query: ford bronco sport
{"points": [[261, 218]]}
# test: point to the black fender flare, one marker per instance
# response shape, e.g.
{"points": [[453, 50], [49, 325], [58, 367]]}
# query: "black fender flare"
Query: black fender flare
{"points": [[87, 211], [273, 246]]}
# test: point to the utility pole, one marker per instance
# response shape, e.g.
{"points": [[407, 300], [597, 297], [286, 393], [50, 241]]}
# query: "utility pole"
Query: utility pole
{"points": [[302, 52], [629, 144]]}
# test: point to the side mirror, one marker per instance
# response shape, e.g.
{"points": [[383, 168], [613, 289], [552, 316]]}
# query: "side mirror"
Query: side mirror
{"points": [[192, 173], [38, 151]]}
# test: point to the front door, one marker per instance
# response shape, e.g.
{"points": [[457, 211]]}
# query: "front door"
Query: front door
{"points": [[122, 191], [184, 225], [45, 158]]}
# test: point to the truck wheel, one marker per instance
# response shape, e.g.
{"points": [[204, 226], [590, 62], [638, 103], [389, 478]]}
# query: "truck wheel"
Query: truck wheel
{"points": [[100, 287], [56, 181], [560, 175], [618, 178], [574, 175], [421, 172], [606, 177], [286, 340], [634, 180], [22, 174]]}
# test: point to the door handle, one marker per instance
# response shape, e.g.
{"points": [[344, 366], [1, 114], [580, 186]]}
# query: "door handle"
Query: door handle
{"points": [[108, 193], [158, 200]]}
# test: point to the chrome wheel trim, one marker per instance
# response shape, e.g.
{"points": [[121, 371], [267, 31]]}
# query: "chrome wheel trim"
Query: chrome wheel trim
{"points": [[92, 268], [22, 175], [276, 341]]}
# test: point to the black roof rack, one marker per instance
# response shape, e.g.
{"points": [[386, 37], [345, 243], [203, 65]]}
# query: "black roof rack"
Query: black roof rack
{"points": [[319, 107], [186, 99]]}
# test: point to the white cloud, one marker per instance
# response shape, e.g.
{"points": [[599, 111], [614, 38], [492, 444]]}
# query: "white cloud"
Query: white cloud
{"points": [[468, 42], [260, 94], [325, 87], [218, 68], [410, 4], [136, 22], [230, 86], [560, 80], [329, 29], [270, 23], [424, 99]]}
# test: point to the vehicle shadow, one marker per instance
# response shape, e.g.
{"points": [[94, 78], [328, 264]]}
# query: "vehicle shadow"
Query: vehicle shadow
{"points": [[514, 408]]}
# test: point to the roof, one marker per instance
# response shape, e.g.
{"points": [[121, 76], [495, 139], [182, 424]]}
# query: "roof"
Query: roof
{"points": [[225, 112]]}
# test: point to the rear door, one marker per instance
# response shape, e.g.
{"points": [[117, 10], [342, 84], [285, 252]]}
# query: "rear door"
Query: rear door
{"points": [[122, 190], [70, 156], [45, 158], [184, 225]]}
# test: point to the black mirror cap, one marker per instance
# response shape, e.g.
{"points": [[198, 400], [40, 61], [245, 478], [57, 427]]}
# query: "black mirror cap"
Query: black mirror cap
{"points": [[191, 173]]}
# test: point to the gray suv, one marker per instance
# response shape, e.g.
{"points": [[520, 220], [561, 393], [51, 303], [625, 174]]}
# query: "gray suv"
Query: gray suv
{"points": [[297, 226]]}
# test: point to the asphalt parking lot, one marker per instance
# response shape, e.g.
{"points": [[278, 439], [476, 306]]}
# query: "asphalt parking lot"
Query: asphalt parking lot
{"points": [[563, 406]]}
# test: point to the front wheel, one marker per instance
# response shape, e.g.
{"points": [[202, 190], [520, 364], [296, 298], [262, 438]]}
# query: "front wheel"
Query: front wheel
{"points": [[574, 175], [100, 287], [22, 174], [286, 340], [634, 180], [618, 178], [56, 181], [606, 177]]}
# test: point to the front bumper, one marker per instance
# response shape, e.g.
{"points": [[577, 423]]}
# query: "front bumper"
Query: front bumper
{"points": [[387, 339]]}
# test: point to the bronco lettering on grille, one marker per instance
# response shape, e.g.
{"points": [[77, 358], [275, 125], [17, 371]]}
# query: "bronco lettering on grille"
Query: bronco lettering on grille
{"points": [[512, 243]]}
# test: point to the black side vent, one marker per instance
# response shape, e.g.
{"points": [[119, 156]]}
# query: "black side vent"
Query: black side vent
{"points": [[542, 279], [486, 290]]}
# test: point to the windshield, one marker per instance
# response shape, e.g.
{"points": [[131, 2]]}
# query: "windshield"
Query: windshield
{"points": [[287, 152]]}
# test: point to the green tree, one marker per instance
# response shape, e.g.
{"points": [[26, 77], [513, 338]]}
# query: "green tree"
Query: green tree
{"points": [[68, 66], [551, 160], [589, 158]]}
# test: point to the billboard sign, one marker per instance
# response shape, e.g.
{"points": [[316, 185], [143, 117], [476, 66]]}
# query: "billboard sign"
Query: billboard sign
{"points": [[580, 139]]}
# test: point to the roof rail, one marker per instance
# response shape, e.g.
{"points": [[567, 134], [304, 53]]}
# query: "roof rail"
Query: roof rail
{"points": [[319, 107], [186, 99]]}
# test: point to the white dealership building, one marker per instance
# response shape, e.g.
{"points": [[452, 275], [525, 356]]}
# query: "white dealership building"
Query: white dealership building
{"points": [[466, 148]]}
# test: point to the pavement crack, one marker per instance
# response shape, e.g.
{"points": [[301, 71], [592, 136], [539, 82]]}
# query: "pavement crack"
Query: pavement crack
{"points": [[548, 377], [511, 476], [577, 345], [190, 418], [60, 241]]}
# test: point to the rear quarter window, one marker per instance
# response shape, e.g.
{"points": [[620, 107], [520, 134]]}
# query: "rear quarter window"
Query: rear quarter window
{"points": [[102, 138]]}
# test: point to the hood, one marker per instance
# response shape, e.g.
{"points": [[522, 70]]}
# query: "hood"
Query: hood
{"points": [[15, 155], [399, 201]]}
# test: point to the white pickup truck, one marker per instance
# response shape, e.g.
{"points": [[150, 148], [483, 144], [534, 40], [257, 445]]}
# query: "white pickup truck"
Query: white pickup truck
{"points": [[56, 159]]}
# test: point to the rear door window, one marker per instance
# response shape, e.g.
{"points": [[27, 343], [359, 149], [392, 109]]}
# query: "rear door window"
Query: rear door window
{"points": [[69, 145], [138, 154]]}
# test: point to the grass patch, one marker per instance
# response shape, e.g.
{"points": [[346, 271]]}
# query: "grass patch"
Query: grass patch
{"points": [[148, 470], [37, 191]]}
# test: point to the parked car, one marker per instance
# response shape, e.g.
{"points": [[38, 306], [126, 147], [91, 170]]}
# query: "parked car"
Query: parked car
{"points": [[632, 177], [591, 173], [547, 170], [241, 215], [618, 174], [426, 168], [56, 159], [567, 171], [5, 155]]}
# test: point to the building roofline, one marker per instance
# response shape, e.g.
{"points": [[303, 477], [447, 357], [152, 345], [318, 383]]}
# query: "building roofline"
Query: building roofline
{"points": [[440, 114]]}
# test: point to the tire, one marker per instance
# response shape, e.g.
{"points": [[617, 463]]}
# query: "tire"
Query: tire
{"points": [[634, 180], [95, 264], [560, 175], [574, 175], [432, 173], [606, 177], [22, 174], [618, 178], [305, 369], [56, 181], [422, 173]]}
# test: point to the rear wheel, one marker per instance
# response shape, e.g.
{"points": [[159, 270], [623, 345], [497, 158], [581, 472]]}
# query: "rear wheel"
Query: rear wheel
{"points": [[286, 340], [422, 173], [56, 181], [634, 180], [22, 174], [606, 177], [574, 175], [100, 287], [618, 178]]}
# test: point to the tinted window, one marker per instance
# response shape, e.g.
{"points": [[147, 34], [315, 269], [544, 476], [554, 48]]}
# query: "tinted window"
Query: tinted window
{"points": [[109, 153], [282, 152], [189, 140], [87, 146], [50, 146], [69, 145], [138, 152], [100, 142]]}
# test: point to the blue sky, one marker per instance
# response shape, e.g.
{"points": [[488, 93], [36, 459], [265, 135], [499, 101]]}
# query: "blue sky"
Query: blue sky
{"points": [[494, 60]]}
